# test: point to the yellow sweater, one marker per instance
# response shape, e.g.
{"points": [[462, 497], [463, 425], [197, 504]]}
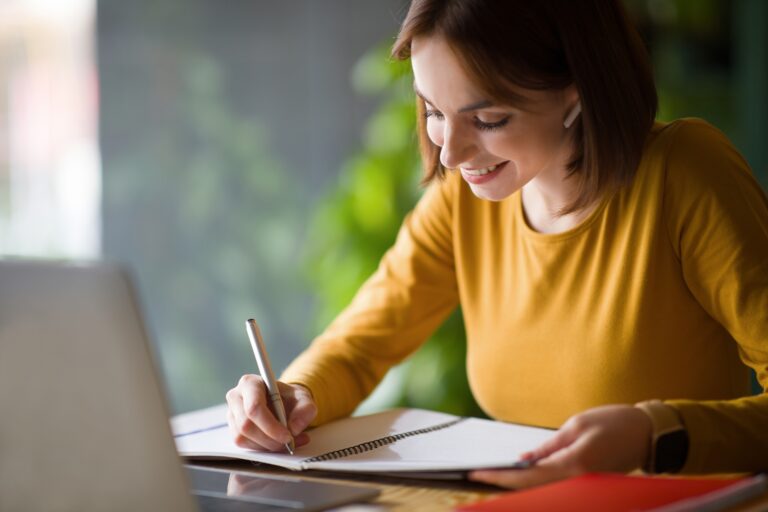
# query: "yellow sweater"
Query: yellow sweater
{"points": [[662, 292]]}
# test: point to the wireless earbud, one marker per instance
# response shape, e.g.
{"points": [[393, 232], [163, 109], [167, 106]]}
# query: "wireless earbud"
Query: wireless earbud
{"points": [[572, 116]]}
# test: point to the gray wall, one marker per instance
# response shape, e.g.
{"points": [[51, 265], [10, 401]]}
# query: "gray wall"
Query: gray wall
{"points": [[221, 124]]}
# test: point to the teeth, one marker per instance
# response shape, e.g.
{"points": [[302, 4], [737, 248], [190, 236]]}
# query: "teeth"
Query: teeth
{"points": [[480, 172]]}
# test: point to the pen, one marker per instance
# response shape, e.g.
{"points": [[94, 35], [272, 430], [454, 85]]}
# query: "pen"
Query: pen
{"points": [[265, 369]]}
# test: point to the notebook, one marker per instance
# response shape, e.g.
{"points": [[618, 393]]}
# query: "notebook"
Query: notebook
{"points": [[622, 493], [399, 441], [84, 422]]}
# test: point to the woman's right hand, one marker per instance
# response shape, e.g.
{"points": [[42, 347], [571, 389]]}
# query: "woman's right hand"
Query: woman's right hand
{"points": [[252, 422]]}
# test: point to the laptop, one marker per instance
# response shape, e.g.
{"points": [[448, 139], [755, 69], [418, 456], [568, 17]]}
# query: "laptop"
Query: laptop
{"points": [[83, 417]]}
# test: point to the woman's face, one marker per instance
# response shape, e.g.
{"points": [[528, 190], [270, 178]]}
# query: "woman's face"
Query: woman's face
{"points": [[498, 148]]}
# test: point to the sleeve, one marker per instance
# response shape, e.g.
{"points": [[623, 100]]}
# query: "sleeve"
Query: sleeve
{"points": [[717, 220], [411, 293]]}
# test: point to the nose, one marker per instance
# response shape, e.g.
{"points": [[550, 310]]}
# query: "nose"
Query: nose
{"points": [[458, 146]]}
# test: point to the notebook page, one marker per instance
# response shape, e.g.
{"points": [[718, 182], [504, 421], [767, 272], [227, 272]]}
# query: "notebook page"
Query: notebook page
{"points": [[204, 434], [472, 443], [200, 419], [468, 444]]}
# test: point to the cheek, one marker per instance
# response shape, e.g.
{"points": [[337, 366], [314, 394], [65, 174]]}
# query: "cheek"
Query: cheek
{"points": [[523, 143], [435, 133], [503, 145]]}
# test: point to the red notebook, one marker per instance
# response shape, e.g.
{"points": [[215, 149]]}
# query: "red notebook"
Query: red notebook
{"points": [[621, 493]]}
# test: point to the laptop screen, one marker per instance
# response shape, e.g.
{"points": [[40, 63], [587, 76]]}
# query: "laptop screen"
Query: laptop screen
{"points": [[85, 423]]}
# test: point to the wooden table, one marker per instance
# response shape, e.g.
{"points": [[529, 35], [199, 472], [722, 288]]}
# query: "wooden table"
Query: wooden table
{"points": [[402, 494]]}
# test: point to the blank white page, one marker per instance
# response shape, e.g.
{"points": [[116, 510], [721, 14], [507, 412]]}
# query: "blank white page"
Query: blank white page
{"points": [[468, 444]]}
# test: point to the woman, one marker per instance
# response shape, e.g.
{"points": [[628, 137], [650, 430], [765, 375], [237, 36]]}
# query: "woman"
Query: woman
{"points": [[612, 271]]}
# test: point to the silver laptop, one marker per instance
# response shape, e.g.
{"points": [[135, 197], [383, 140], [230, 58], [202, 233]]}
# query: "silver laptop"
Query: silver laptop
{"points": [[83, 419]]}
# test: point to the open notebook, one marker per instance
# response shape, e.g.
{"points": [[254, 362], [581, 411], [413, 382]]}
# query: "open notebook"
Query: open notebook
{"points": [[397, 440]]}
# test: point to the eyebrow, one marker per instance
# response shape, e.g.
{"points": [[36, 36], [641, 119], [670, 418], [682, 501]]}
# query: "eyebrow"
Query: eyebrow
{"points": [[472, 106]]}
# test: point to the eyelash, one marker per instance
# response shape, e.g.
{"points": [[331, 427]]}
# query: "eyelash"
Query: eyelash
{"points": [[478, 123]]}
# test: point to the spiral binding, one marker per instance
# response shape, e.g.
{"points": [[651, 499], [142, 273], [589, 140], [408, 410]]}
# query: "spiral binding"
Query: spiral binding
{"points": [[377, 443]]}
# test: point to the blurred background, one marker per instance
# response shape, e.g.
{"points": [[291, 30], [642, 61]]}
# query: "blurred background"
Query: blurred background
{"points": [[255, 158]]}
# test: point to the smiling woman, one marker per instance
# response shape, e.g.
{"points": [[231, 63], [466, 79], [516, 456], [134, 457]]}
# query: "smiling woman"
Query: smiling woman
{"points": [[532, 56], [611, 269], [498, 147]]}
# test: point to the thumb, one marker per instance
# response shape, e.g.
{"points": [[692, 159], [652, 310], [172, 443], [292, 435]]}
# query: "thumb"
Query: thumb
{"points": [[301, 409]]}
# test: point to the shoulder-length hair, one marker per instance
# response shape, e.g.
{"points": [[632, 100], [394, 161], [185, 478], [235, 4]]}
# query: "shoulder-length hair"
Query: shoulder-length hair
{"points": [[548, 45]]}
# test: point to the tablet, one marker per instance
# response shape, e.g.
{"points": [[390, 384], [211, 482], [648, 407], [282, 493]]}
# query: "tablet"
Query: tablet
{"points": [[218, 489]]}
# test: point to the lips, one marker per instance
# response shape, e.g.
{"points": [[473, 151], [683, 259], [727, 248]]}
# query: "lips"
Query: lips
{"points": [[483, 174]]}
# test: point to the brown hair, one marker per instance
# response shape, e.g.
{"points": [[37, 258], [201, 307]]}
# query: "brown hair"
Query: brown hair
{"points": [[551, 44]]}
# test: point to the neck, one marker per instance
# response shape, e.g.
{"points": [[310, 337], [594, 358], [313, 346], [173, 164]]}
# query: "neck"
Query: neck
{"points": [[545, 196]]}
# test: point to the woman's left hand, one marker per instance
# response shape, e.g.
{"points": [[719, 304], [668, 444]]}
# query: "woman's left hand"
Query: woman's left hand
{"points": [[611, 438]]}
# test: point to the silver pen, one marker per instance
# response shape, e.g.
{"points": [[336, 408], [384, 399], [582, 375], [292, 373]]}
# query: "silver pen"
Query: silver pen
{"points": [[265, 369]]}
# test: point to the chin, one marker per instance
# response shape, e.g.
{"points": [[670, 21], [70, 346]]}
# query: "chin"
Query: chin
{"points": [[490, 193]]}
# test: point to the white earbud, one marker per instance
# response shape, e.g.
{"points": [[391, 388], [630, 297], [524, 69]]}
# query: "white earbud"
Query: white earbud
{"points": [[572, 116]]}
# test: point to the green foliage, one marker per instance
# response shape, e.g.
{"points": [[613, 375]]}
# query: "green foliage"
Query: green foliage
{"points": [[358, 221]]}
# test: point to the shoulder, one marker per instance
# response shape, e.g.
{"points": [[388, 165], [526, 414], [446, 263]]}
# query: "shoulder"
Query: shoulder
{"points": [[687, 130], [708, 188], [693, 159], [451, 204], [696, 156], [440, 193], [433, 215]]}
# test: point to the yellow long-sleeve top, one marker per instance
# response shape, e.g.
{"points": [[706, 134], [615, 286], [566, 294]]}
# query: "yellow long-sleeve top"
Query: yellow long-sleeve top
{"points": [[662, 292]]}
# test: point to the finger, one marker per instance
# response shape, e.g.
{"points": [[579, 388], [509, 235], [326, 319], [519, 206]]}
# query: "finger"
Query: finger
{"points": [[235, 415], [300, 406], [523, 478], [237, 436], [560, 457], [302, 415], [257, 410], [245, 433], [289, 392], [234, 400], [235, 484], [234, 412], [561, 440], [293, 394]]}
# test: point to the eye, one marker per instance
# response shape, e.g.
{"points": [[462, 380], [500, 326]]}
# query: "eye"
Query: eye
{"points": [[483, 125], [433, 113]]}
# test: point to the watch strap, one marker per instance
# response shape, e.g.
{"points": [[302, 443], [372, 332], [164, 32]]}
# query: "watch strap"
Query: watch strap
{"points": [[669, 441]]}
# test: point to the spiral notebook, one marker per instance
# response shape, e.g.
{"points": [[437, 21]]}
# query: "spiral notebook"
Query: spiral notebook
{"points": [[397, 440]]}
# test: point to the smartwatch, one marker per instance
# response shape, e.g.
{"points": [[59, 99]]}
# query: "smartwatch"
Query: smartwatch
{"points": [[669, 441]]}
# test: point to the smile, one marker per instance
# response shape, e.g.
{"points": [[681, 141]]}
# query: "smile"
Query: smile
{"points": [[483, 174], [480, 172]]}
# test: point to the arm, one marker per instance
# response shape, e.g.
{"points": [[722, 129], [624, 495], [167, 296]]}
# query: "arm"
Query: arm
{"points": [[718, 225], [411, 293]]}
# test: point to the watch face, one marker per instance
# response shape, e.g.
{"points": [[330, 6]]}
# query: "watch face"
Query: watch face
{"points": [[671, 451]]}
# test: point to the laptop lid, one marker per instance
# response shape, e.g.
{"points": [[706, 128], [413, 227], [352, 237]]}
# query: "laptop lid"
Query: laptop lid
{"points": [[83, 419]]}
